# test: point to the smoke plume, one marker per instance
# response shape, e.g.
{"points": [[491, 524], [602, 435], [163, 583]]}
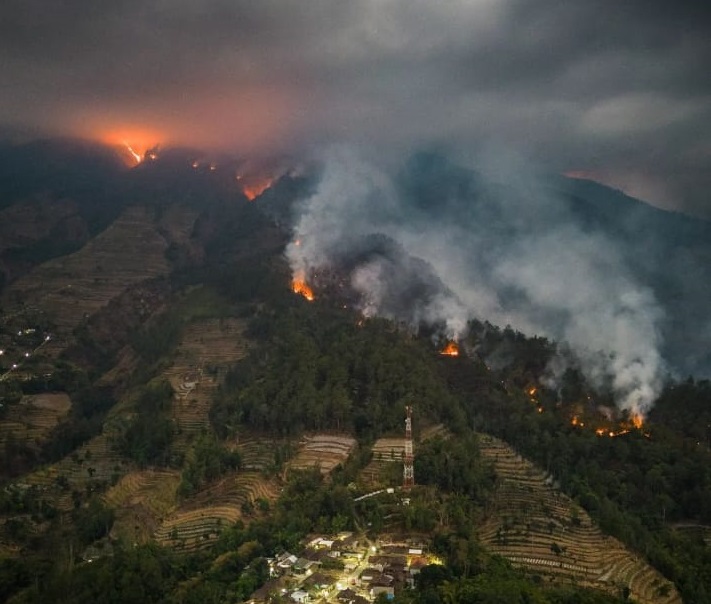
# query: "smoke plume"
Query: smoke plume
{"points": [[436, 241]]}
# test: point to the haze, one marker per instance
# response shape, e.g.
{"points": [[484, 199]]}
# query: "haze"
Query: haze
{"points": [[616, 93]]}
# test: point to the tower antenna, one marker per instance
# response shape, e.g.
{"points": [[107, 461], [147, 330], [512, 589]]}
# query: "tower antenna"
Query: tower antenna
{"points": [[408, 471]]}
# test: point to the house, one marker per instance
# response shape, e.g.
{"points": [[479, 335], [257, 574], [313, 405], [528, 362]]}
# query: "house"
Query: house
{"points": [[315, 554], [348, 596], [102, 549], [304, 565], [317, 581], [369, 575], [377, 562], [300, 596], [285, 561]]}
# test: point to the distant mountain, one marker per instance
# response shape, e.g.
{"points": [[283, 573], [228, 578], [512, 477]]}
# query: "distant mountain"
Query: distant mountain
{"points": [[670, 253]]}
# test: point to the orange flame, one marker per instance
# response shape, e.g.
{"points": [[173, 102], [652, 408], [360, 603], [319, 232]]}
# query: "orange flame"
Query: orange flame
{"points": [[136, 156], [254, 189], [450, 350], [637, 421], [299, 286], [137, 143]]}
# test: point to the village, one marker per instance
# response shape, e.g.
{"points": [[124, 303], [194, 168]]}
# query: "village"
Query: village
{"points": [[347, 568]]}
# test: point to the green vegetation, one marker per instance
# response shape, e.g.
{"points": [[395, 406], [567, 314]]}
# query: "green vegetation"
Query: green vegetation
{"points": [[495, 583], [635, 487], [316, 369], [207, 461], [147, 437]]}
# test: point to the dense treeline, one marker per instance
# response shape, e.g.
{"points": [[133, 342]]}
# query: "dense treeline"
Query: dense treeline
{"points": [[147, 436], [320, 370], [207, 461]]}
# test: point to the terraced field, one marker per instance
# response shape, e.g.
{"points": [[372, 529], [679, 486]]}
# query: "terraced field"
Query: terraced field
{"points": [[540, 529], [198, 523], [205, 353], [93, 465], [324, 451], [33, 418], [141, 501], [385, 452], [73, 287]]}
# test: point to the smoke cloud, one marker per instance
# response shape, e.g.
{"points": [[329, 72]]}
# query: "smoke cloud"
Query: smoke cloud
{"points": [[439, 242]]}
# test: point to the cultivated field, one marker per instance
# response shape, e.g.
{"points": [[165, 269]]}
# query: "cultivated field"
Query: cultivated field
{"points": [[74, 287], [540, 529], [207, 350], [386, 451], [141, 501], [199, 521], [33, 418], [324, 451]]}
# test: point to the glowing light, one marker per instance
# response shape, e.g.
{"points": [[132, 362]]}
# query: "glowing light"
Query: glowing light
{"points": [[136, 144], [299, 286], [135, 155], [637, 421], [255, 188], [450, 350]]}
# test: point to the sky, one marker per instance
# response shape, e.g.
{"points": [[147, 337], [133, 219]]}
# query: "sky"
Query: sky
{"points": [[616, 91]]}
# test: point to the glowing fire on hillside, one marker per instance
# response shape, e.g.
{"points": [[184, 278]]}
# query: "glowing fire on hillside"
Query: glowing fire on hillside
{"points": [[136, 156], [135, 145], [299, 286], [253, 187], [450, 350]]}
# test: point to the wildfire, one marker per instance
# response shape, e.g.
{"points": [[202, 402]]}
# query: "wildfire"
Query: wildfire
{"points": [[254, 188], [450, 350], [135, 155], [299, 286], [577, 422], [637, 421], [135, 144], [612, 433]]}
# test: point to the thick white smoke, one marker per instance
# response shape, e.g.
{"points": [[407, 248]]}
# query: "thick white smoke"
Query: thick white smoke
{"points": [[500, 247]]}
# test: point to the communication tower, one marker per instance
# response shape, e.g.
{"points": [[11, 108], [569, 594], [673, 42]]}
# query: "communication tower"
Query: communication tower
{"points": [[408, 472]]}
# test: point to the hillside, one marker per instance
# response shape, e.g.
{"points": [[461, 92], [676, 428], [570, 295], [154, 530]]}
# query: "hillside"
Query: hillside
{"points": [[183, 418]]}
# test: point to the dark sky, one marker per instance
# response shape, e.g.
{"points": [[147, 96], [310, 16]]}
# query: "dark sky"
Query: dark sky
{"points": [[617, 90]]}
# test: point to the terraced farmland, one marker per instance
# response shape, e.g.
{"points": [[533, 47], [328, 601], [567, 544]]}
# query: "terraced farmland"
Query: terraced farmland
{"points": [[259, 453], [94, 463], [141, 501], [385, 452], [540, 529], [33, 418], [205, 353], [324, 451], [73, 287], [198, 523]]}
